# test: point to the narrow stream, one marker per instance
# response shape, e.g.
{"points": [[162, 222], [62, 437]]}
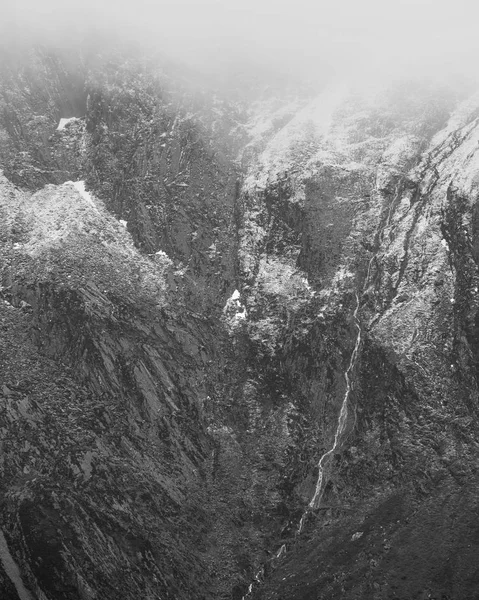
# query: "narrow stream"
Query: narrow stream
{"points": [[327, 456], [342, 420], [325, 459]]}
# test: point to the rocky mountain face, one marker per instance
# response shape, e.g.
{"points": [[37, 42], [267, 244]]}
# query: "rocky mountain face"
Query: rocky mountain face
{"points": [[239, 350]]}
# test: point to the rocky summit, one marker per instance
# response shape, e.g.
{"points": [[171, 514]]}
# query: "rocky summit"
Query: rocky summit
{"points": [[239, 351]]}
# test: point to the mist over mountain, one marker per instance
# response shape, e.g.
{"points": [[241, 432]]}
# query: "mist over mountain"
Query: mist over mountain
{"points": [[239, 306], [315, 39]]}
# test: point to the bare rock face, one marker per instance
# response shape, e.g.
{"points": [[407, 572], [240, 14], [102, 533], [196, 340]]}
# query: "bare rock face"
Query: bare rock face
{"points": [[128, 312], [388, 218], [239, 340]]}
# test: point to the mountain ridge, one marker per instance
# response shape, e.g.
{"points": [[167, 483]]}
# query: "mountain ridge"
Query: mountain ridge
{"points": [[185, 326]]}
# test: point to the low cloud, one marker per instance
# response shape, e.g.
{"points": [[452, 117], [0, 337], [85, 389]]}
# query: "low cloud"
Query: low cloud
{"points": [[301, 37]]}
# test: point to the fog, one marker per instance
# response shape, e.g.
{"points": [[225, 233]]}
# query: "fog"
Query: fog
{"points": [[307, 38]]}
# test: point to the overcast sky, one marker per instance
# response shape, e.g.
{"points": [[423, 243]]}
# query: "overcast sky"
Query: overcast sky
{"points": [[294, 35]]}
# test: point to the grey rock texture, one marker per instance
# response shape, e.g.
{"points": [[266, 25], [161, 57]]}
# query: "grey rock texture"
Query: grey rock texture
{"points": [[389, 217], [183, 278]]}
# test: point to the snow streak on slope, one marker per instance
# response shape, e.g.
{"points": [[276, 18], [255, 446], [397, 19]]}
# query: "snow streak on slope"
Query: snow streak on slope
{"points": [[12, 570]]}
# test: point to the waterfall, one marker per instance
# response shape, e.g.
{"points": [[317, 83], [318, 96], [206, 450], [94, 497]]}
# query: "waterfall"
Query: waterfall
{"points": [[343, 415], [344, 412], [342, 420], [324, 460]]}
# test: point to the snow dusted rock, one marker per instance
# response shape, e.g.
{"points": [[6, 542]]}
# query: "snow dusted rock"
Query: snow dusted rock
{"points": [[163, 433], [396, 182]]}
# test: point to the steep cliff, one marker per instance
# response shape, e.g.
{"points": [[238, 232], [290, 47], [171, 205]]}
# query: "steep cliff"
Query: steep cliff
{"points": [[239, 337], [387, 360]]}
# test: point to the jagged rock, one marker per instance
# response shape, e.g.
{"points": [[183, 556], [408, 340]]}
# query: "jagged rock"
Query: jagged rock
{"points": [[192, 290]]}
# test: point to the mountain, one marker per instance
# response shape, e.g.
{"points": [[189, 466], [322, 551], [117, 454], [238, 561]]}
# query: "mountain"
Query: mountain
{"points": [[239, 351]]}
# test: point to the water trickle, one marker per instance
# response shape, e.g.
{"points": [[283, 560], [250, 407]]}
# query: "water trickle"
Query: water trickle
{"points": [[342, 422], [343, 414], [325, 458]]}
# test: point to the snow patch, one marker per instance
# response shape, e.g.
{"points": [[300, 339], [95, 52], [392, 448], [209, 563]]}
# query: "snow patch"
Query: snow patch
{"points": [[234, 311], [64, 122], [342, 274], [80, 187]]}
